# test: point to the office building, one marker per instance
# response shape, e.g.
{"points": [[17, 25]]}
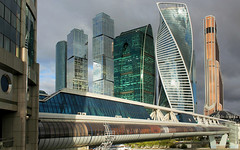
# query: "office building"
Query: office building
{"points": [[134, 65], [19, 75], [102, 46], [61, 65], [77, 62], [174, 56], [213, 77]]}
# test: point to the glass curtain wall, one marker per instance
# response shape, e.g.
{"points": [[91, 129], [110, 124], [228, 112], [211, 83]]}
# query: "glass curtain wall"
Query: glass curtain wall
{"points": [[134, 65], [77, 63], [103, 34], [10, 15], [174, 55]]}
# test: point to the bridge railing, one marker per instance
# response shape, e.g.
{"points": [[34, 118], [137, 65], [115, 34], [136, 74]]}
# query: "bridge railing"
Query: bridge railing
{"points": [[167, 114]]}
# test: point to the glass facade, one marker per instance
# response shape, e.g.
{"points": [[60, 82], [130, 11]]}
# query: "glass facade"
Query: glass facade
{"points": [[134, 65], [77, 63], [174, 55], [42, 94], [77, 73], [29, 37], [103, 34], [61, 65], [77, 44], [72, 104], [10, 16]]}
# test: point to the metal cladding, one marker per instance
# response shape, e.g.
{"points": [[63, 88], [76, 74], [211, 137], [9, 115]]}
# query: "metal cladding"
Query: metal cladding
{"points": [[213, 77], [174, 56]]}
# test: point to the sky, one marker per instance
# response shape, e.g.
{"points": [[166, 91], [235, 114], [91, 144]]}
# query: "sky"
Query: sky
{"points": [[56, 18]]}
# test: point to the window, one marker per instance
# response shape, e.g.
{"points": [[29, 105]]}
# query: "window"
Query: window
{"points": [[19, 2], [13, 48], [7, 15], [6, 43], [1, 10], [13, 20], [18, 25], [1, 40]]}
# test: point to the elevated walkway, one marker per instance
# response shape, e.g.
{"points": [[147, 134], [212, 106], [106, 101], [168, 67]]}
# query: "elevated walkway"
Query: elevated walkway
{"points": [[66, 131]]}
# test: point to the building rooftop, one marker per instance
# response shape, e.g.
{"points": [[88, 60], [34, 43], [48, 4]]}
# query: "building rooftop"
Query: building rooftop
{"points": [[226, 115]]}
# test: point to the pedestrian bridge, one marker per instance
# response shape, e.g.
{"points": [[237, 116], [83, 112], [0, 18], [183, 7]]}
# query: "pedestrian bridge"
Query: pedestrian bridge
{"points": [[69, 119], [58, 131]]}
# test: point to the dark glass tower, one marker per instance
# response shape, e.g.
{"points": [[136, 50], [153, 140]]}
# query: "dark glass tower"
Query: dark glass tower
{"points": [[134, 65], [61, 65]]}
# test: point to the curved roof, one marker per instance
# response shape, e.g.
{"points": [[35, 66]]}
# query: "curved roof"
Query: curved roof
{"points": [[224, 114]]}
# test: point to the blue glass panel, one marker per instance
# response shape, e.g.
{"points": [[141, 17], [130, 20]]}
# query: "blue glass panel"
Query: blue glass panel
{"points": [[71, 104]]}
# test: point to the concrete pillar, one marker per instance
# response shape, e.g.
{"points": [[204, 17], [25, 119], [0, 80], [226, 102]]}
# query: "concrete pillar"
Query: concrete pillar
{"points": [[221, 145], [223, 142], [233, 136], [19, 120], [212, 140], [32, 121]]}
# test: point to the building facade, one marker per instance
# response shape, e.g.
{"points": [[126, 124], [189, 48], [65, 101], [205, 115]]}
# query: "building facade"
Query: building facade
{"points": [[61, 65], [103, 35], [134, 65], [77, 62], [174, 56], [19, 74], [213, 77]]}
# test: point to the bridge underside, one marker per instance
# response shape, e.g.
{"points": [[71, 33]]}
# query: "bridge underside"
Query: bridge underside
{"points": [[61, 131]]}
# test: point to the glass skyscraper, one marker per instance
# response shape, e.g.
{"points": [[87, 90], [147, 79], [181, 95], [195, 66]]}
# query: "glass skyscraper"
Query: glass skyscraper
{"points": [[174, 55], [134, 65], [103, 34], [77, 63], [61, 65]]}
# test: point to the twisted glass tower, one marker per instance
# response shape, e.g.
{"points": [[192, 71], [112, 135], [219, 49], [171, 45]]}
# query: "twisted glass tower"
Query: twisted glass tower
{"points": [[174, 56]]}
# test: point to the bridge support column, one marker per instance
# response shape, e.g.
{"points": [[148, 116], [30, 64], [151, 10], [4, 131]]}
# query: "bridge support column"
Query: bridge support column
{"points": [[221, 145], [212, 140], [233, 136], [223, 142]]}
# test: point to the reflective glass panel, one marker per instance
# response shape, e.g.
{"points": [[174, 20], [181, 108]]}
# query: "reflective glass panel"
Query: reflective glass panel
{"points": [[7, 14], [1, 10], [1, 40], [6, 43]]}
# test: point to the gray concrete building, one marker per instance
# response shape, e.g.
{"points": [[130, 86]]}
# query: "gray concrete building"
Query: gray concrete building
{"points": [[19, 75]]}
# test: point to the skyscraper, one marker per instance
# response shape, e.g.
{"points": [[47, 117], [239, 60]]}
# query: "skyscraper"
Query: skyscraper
{"points": [[174, 55], [19, 75], [213, 77], [134, 65], [61, 65], [77, 63], [103, 34]]}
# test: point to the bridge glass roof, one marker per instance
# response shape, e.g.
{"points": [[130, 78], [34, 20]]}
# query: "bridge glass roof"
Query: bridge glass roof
{"points": [[66, 103]]}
